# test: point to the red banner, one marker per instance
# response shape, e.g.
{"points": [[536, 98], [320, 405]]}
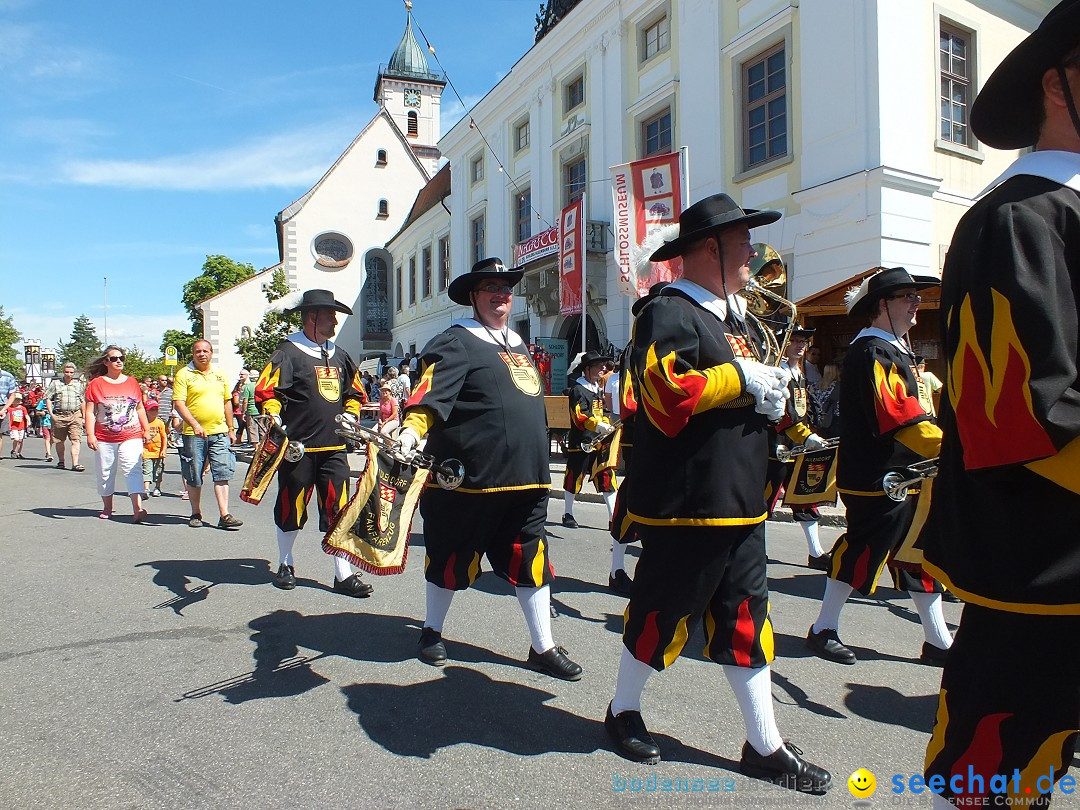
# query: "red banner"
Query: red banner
{"points": [[572, 257], [647, 195]]}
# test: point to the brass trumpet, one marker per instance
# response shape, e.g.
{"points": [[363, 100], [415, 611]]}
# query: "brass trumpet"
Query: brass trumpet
{"points": [[764, 294], [294, 451], [896, 483], [784, 454], [599, 441], [449, 474]]}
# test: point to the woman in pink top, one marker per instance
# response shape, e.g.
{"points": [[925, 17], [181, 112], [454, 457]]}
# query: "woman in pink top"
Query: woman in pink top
{"points": [[116, 428], [389, 418]]}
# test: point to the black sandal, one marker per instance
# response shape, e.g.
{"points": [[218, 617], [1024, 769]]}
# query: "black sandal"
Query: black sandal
{"points": [[79, 468]]}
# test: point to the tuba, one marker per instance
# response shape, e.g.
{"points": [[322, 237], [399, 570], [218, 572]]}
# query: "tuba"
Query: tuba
{"points": [[767, 304]]}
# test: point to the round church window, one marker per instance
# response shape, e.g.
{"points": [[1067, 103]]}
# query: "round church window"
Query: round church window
{"points": [[332, 250]]}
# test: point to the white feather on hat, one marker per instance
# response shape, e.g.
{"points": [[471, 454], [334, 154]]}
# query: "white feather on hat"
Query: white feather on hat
{"points": [[855, 294], [575, 362], [288, 301], [639, 256]]}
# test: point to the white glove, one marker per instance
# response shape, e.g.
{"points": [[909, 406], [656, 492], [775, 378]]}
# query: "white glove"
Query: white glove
{"points": [[407, 439], [604, 428], [766, 384], [814, 442]]}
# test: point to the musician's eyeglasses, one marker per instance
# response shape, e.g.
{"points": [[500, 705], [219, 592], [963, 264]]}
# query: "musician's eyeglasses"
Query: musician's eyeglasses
{"points": [[505, 289], [116, 358], [913, 298]]}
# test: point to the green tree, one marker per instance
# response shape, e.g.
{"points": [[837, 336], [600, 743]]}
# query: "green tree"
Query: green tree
{"points": [[183, 341], [256, 350], [9, 336], [84, 344], [137, 364], [218, 273]]}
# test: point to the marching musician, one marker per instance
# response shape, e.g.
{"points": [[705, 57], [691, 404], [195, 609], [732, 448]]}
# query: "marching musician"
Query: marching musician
{"points": [[308, 381], [704, 402], [587, 424], [480, 400], [888, 423], [1007, 497], [794, 430]]}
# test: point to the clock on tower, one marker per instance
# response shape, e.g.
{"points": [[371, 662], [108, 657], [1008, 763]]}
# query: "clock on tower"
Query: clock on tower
{"points": [[412, 98]]}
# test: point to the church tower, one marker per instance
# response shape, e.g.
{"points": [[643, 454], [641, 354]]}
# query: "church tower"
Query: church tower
{"points": [[411, 93]]}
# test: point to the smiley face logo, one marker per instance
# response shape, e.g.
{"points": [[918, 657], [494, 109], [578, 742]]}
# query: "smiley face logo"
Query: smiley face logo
{"points": [[862, 784]]}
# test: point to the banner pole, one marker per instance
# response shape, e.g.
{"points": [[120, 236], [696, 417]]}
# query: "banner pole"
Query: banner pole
{"points": [[584, 262]]}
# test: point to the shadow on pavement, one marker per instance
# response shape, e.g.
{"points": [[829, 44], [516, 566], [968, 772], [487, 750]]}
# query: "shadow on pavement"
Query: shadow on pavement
{"points": [[177, 575], [883, 704], [798, 697], [63, 514], [464, 706]]}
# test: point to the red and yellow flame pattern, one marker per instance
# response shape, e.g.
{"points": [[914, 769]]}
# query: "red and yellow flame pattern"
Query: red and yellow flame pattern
{"points": [[989, 388], [423, 386], [893, 404]]}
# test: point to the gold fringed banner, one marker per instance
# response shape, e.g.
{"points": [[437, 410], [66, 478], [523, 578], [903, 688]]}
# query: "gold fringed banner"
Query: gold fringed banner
{"points": [[813, 481], [372, 531], [607, 457]]}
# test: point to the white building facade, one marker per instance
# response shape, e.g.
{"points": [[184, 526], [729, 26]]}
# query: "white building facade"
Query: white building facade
{"points": [[849, 116]]}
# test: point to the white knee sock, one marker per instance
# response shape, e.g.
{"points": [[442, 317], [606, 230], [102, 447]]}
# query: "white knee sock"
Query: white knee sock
{"points": [[633, 675], [609, 499], [536, 605], [568, 497], [836, 594], [438, 605], [813, 542], [753, 690], [285, 542], [933, 619], [618, 554], [342, 569]]}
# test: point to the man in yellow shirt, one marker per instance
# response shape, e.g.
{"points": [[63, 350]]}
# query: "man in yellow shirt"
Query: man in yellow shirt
{"points": [[202, 397]]}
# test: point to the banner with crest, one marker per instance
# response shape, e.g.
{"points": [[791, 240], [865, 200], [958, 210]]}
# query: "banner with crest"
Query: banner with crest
{"points": [[372, 531], [813, 481]]}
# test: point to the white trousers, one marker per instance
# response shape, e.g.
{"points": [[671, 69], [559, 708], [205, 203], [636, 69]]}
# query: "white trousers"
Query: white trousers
{"points": [[124, 456]]}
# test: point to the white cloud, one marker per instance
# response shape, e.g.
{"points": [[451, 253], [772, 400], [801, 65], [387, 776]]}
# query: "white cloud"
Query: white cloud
{"points": [[29, 53], [289, 160], [452, 111], [125, 328]]}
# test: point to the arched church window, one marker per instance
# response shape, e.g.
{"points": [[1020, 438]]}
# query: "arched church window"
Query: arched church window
{"points": [[384, 209], [380, 157], [376, 298], [414, 124]]}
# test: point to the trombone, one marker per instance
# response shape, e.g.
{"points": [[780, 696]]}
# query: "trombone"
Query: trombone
{"points": [[449, 474], [598, 441], [896, 483], [784, 454], [765, 296]]}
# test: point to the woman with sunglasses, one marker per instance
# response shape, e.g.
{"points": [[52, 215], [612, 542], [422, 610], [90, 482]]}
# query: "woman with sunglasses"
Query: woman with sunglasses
{"points": [[116, 427]]}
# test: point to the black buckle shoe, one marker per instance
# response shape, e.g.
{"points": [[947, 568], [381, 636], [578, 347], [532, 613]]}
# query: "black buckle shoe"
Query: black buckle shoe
{"points": [[431, 649], [630, 737], [822, 563], [826, 644], [932, 655], [569, 522], [785, 767], [353, 586], [554, 663], [285, 578], [620, 583]]}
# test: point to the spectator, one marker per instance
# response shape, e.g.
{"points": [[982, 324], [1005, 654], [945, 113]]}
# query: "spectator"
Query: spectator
{"points": [[827, 396], [64, 399], [153, 456], [8, 387], [812, 364], [46, 426], [116, 428], [238, 413], [203, 400], [248, 408], [19, 420], [389, 412]]}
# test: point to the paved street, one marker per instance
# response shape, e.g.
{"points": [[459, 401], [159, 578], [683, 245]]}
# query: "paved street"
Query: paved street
{"points": [[154, 666]]}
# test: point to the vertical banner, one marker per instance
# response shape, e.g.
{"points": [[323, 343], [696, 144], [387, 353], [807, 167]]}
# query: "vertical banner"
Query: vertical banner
{"points": [[572, 257], [647, 196]]}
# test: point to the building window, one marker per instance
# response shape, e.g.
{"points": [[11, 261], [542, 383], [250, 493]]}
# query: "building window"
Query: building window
{"points": [[398, 289], [656, 134], [655, 38], [476, 169], [575, 93], [376, 309], [573, 180], [523, 215], [332, 250], [765, 107], [425, 268], [384, 209], [956, 61], [380, 157], [412, 281], [414, 124], [521, 136], [444, 263], [477, 231]]}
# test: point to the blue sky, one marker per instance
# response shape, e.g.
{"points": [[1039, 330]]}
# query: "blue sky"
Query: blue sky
{"points": [[137, 138]]}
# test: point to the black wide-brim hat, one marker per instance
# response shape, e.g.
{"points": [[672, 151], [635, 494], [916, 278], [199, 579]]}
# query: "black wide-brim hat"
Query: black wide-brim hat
{"points": [[483, 270], [706, 217], [590, 357], [875, 287], [317, 299], [654, 291], [804, 331], [1008, 111]]}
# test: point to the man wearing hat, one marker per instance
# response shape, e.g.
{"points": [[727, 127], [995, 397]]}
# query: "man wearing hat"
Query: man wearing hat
{"points": [[587, 424], [480, 400], [704, 402], [888, 424], [1007, 497], [308, 381], [793, 430]]}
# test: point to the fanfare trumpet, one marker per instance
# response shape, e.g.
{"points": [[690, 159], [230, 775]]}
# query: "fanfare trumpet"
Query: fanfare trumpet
{"points": [[598, 441], [294, 450], [784, 454], [449, 473], [896, 483]]}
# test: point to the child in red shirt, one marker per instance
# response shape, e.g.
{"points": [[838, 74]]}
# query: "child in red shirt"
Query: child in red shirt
{"points": [[18, 419]]}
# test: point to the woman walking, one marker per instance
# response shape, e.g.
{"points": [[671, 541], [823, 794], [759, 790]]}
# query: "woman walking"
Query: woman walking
{"points": [[116, 428]]}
